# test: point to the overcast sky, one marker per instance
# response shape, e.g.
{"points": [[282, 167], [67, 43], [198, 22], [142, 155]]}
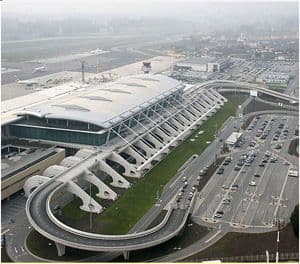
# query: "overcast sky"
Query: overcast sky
{"points": [[168, 8]]}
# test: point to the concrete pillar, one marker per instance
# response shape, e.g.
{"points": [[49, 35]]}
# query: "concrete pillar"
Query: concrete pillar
{"points": [[126, 255], [204, 103], [189, 114], [211, 101], [103, 190], [215, 98], [89, 204], [129, 168], [135, 154], [207, 107], [61, 249], [154, 140], [198, 106], [195, 111], [169, 128], [118, 180], [182, 117], [149, 151], [175, 121], [218, 95], [162, 134]]}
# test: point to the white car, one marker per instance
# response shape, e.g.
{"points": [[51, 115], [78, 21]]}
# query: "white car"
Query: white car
{"points": [[226, 201], [252, 183]]}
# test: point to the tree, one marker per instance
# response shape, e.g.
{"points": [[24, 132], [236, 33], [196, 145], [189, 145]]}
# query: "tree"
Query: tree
{"points": [[295, 220]]}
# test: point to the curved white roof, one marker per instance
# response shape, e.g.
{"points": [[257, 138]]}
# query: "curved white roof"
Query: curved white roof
{"points": [[107, 104]]}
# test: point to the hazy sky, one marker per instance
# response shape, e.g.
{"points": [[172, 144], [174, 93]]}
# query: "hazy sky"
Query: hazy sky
{"points": [[187, 8]]}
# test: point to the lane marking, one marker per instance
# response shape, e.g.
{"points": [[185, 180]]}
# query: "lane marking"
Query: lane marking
{"points": [[5, 231], [281, 193], [212, 237]]}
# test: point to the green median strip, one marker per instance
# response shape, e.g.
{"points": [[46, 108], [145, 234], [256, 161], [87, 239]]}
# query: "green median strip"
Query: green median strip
{"points": [[135, 202]]}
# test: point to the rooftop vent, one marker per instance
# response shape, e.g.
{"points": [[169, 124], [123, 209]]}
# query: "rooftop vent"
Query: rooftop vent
{"points": [[73, 107], [96, 98], [134, 84], [117, 91]]}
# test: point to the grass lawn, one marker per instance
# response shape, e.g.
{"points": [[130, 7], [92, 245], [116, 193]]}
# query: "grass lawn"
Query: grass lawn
{"points": [[135, 202], [239, 244], [293, 147], [4, 256]]}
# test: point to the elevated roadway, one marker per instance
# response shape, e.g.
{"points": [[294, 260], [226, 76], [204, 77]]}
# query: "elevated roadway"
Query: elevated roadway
{"points": [[42, 220], [228, 85]]}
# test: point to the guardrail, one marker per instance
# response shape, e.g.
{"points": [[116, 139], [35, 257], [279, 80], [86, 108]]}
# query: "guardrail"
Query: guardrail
{"points": [[249, 258]]}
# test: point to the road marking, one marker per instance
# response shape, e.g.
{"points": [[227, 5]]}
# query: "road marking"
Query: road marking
{"points": [[5, 231], [179, 176], [16, 250], [217, 233], [22, 249], [280, 196], [256, 188]]}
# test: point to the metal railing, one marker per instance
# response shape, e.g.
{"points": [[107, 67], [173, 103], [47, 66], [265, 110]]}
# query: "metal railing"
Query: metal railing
{"points": [[284, 256]]}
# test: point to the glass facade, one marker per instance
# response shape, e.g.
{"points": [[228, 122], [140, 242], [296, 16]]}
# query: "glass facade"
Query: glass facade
{"points": [[47, 129], [76, 137]]}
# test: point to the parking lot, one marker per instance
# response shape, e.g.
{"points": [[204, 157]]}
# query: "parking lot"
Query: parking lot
{"points": [[252, 186]]}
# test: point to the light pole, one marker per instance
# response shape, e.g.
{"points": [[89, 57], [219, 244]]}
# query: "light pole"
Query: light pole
{"points": [[279, 225], [91, 206]]}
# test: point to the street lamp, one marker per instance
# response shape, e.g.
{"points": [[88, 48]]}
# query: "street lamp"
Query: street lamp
{"points": [[91, 206]]}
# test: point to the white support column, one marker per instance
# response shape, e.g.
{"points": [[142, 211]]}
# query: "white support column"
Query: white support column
{"points": [[195, 111], [162, 134], [172, 130], [204, 103], [89, 204], [192, 117], [142, 145], [212, 101], [138, 157], [130, 169], [154, 140], [103, 190], [177, 123], [181, 116], [61, 249], [219, 95], [207, 107], [214, 97], [198, 106], [126, 255], [118, 180]]}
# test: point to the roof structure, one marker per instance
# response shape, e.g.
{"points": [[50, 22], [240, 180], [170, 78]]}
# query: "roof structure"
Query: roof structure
{"points": [[233, 138], [108, 104]]}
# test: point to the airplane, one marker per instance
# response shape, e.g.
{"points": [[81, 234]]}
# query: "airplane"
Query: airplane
{"points": [[40, 69], [96, 51], [26, 82]]}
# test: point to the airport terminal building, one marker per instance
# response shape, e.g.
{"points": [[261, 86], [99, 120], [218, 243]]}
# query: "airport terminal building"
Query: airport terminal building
{"points": [[96, 115], [122, 128]]}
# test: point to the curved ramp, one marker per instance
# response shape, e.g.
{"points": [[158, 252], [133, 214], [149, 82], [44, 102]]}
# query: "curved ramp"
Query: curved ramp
{"points": [[38, 215]]}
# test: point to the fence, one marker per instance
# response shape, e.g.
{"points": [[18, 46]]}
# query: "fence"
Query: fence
{"points": [[251, 258]]}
